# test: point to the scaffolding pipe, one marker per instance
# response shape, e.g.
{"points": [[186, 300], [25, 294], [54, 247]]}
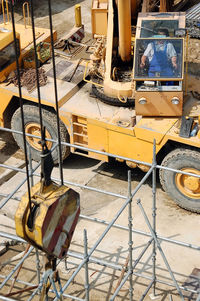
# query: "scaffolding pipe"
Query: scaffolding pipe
{"points": [[160, 249], [198, 298], [87, 286], [15, 190], [93, 260], [6, 298], [37, 264], [104, 153], [154, 216], [107, 229], [16, 267], [81, 148], [134, 273], [19, 186], [130, 244], [31, 285], [176, 242], [152, 230], [30, 165], [147, 290], [134, 266]]}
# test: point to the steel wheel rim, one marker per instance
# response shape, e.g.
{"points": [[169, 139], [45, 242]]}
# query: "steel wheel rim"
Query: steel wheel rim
{"points": [[33, 128], [188, 185]]}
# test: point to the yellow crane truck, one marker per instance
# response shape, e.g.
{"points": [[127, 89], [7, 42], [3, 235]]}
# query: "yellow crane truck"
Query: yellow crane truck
{"points": [[136, 101]]}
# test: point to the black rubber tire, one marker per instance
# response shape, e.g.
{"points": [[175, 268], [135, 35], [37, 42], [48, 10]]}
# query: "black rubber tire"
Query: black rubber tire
{"points": [[31, 114], [178, 159], [97, 91]]}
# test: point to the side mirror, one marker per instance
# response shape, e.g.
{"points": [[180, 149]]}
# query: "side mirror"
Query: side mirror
{"points": [[180, 33]]}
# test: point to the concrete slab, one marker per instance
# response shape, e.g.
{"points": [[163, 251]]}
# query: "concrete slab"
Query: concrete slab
{"points": [[6, 173], [76, 169]]}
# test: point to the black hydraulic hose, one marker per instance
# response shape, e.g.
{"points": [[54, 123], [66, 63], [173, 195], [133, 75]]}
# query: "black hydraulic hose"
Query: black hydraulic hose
{"points": [[21, 106], [56, 94]]}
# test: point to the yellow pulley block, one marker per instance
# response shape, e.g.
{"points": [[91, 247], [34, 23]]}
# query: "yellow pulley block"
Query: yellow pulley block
{"points": [[54, 215]]}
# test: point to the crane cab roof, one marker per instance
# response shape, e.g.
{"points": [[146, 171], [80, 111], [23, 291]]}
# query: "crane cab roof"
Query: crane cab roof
{"points": [[148, 23]]}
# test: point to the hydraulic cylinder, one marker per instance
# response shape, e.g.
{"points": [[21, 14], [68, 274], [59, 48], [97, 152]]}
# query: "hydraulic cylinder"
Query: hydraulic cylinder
{"points": [[124, 20]]}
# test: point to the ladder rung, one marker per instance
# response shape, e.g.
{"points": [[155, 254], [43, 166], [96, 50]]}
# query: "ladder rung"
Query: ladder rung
{"points": [[81, 135], [81, 144], [82, 154], [80, 124]]}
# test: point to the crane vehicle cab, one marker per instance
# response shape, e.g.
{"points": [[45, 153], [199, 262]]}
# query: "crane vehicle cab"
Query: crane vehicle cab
{"points": [[159, 64]]}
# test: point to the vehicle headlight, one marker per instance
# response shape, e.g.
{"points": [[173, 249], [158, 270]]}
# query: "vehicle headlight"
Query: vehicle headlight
{"points": [[175, 100], [142, 101]]}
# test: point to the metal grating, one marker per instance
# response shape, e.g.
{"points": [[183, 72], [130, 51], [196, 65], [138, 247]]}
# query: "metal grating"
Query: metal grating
{"points": [[193, 13]]}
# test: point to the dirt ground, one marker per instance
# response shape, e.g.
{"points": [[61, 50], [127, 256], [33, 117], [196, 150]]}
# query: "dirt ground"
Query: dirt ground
{"points": [[172, 221]]}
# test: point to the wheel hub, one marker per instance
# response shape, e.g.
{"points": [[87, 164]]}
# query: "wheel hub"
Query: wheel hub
{"points": [[34, 129], [189, 185]]}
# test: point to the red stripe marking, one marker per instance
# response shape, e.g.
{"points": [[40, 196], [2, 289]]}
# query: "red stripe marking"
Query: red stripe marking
{"points": [[58, 228], [71, 231], [48, 217]]}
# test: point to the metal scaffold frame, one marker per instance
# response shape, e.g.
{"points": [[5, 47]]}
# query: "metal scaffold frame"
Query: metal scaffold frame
{"points": [[86, 258]]}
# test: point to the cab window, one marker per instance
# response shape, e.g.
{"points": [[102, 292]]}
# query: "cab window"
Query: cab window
{"points": [[150, 28], [158, 59]]}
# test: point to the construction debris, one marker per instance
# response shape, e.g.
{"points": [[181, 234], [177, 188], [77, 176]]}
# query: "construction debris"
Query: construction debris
{"points": [[28, 78]]}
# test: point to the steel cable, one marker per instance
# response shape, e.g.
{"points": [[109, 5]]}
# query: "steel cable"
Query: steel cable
{"points": [[56, 93], [21, 104]]}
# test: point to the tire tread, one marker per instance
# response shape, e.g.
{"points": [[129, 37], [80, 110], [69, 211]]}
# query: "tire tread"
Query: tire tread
{"points": [[50, 117], [178, 154]]}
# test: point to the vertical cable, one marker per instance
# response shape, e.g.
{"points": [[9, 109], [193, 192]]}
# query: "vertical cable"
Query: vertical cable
{"points": [[56, 94], [22, 111], [36, 69]]}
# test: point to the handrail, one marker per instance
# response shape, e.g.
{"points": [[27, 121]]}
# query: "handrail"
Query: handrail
{"points": [[3, 11], [89, 81], [26, 5]]}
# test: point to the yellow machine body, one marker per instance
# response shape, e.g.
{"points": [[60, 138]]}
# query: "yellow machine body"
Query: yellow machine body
{"points": [[159, 104], [7, 49], [55, 213]]}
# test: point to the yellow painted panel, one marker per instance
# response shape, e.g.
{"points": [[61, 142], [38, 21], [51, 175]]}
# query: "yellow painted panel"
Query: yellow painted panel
{"points": [[97, 139], [149, 129], [158, 103], [99, 21], [113, 127], [131, 147], [5, 38], [5, 99], [173, 135]]}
